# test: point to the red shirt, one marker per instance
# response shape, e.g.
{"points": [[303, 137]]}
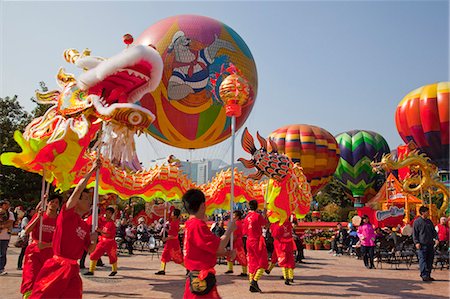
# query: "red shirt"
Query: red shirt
{"points": [[48, 228], [442, 232], [72, 235], [200, 245], [282, 233], [253, 225], [108, 230], [174, 228], [238, 233]]}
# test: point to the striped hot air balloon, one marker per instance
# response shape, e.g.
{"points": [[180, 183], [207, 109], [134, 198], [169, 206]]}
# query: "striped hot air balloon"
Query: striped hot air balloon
{"points": [[423, 117], [359, 148], [314, 148]]}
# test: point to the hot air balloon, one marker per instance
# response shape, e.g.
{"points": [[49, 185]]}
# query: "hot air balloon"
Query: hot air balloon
{"points": [[423, 117], [359, 148], [314, 148], [197, 52]]}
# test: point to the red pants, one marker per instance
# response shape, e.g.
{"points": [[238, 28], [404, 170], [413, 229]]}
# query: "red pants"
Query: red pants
{"points": [[34, 260], [172, 252], [58, 278], [285, 254], [256, 255], [211, 295], [240, 255], [108, 246]]}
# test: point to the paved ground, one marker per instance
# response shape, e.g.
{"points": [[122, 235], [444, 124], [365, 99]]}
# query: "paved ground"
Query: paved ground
{"points": [[323, 276]]}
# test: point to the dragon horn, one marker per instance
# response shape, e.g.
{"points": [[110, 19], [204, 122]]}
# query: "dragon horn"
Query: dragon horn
{"points": [[64, 78], [248, 143], [273, 145], [262, 141]]}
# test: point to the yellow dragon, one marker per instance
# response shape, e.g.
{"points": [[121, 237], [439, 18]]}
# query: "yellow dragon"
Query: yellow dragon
{"points": [[426, 181]]}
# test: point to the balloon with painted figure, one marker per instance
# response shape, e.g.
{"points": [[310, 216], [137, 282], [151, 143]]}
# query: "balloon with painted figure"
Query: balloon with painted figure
{"points": [[197, 52]]}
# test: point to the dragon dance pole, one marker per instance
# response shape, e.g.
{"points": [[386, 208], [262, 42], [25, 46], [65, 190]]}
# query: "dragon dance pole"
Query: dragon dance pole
{"points": [[233, 137], [234, 92], [96, 188], [42, 205], [95, 201]]}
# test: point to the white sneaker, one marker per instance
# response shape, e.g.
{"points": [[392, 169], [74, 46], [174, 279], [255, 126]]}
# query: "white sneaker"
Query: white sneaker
{"points": [[335, 254], [3, 273]]}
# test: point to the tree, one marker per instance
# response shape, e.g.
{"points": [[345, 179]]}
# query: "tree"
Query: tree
{"points": [[18, 186], [333, 192]]}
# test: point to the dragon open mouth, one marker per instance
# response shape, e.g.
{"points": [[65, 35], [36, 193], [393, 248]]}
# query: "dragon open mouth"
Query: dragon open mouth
{"points": [[124, 78]]}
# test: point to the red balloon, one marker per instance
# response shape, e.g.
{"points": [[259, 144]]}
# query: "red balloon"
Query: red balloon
{"points": [[423, 117]]}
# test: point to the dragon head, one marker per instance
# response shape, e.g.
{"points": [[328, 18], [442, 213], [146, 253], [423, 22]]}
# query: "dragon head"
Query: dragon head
{"points": [[384, 164], [106, 91]]}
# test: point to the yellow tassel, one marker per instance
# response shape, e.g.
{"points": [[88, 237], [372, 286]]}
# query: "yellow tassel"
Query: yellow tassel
{"points": [[290, 273], [250, 277], [230, 266], [114, 267], [244, 269], [92, 266], [259, 273], [285, 273], [163, 266], [26, 295]]}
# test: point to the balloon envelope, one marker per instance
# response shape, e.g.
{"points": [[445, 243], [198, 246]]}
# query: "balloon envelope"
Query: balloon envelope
{"points": [[189, 111], [423, 117], [359, 148], [314, 148]]}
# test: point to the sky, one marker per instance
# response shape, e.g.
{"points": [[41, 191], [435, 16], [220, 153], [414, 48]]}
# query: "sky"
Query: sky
{"points": [[339, 65]]}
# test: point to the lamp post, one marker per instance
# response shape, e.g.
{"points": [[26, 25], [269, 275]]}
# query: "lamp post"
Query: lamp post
{"points": [[234, 92]]}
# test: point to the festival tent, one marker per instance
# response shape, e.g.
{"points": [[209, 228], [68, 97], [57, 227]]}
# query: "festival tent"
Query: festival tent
{"points": [[384, 209]]}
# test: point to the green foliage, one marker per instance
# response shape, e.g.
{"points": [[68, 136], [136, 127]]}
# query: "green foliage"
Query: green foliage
{"points": [[18, 186], [333, 202], [333, 192]]}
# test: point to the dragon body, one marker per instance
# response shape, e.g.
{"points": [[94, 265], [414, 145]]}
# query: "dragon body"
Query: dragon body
{"points": [[428, 179]]}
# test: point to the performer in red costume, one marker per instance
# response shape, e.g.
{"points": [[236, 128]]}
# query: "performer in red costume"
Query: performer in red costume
{"points": [[59, 277], [284, 248], [201, 248], [107, 243], [38, 252], [256, 246], [172, 249], [238, 245]]}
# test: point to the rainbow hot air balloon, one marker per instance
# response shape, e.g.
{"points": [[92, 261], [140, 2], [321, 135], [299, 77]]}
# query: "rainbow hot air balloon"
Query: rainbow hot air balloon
{"points": [[423, 117], [314, 148], [359, 148], [189, 110]]}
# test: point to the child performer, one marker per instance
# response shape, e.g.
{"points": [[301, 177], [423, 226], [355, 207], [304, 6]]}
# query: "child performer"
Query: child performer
{"points": [[59, 277], [256, 246], [38, 252], [172, 249], [107, 244], [201, 248], [238, 245], [284, 248]]}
